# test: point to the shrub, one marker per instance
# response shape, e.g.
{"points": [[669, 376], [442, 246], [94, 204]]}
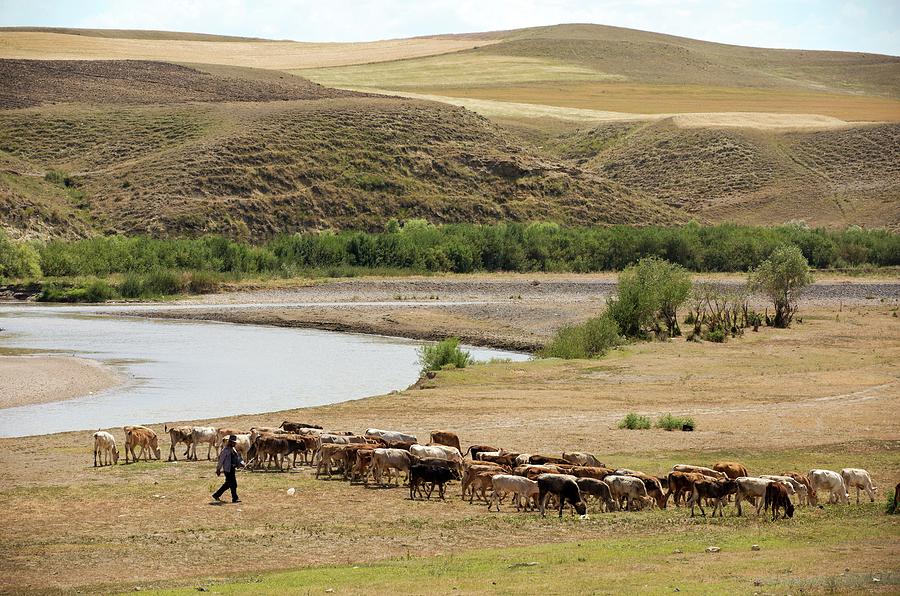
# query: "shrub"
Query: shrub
{"points": [[635, 422], [782, 277], [592, 338], [648, 293], [669, 422], [442, 354], [203, 282], [163, 283], [132, 286], [93, 290], [18, 260]]}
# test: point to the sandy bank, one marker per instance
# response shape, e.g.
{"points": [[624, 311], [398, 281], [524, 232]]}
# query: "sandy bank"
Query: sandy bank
{"points": [[28, 380]]}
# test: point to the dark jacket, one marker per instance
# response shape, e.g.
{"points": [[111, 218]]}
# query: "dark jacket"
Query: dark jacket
{"points": [[229, 460]]}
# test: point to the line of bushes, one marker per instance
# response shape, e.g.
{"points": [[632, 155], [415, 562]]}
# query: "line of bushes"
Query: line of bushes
{"points": [[420, 246], [668, 422], [156, 284]]}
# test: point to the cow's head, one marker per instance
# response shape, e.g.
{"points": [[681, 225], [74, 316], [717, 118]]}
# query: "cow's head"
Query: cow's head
{"points": [[789, 509], [115, 455], [580, 507]]}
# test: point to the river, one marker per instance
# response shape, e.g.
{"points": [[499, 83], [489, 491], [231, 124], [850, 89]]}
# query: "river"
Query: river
{"points": [[185, 370]]}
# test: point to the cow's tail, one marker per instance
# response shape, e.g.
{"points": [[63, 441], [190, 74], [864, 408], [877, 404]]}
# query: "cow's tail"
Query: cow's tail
{"points": [[468, 451]]}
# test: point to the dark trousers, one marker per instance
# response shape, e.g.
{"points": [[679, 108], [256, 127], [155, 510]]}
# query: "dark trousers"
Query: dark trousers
{"points": [[230, 483]]}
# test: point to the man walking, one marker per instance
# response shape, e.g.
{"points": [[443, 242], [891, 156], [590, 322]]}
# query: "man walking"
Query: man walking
{"points": [[229, 461]]}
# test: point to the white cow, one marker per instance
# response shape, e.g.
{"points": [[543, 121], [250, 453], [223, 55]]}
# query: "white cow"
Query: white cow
{"points": [[437, 452], [520, 487], [859, 479], [385, 460], [390, 436], [831, 482], [105, 447], [204, 434], [629, 489]]}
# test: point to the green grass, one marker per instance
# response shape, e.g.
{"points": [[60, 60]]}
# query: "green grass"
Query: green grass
{"points": [[634, 421], [798, 554], [669, 422], [443, 354]]}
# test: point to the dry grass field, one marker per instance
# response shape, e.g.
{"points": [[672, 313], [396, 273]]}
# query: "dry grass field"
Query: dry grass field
{"points": [[823, 394], [279, 55]]}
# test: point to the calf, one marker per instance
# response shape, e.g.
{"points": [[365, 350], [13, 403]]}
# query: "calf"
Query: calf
{"points": [[716, 490], [597, 489], [753, 490], [777, 497], [831, 482], [421, 474], [579, 458], [628, 490], [179, 434], [481, 482], [474, 469], [384, 460], [521, 489], [796, 487], [859, 479], [204, 434], [443, 437], [803, 480], [731, 469], [105, 448], [270, 448], [651, 483], [143, 437], [564, 488]]}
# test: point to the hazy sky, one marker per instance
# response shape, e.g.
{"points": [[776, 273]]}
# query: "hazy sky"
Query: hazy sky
{"points": [[862, 25]]}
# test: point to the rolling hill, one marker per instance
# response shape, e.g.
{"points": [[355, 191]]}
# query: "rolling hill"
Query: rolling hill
{"points": [[179, 133]]}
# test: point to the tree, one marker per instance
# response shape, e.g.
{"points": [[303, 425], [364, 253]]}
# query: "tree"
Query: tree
{"points": [[649, 292], [782, 277]]}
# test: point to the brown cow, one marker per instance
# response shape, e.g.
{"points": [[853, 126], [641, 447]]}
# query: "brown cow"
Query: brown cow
{"points": [[591, 472], [179, 434], [731, 469], [681, 483], [777, 496], [145, 438], [804, 480], [446, 438]]}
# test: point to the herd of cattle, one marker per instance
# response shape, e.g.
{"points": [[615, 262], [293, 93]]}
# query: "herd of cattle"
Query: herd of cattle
{"points": [[492, 474]]}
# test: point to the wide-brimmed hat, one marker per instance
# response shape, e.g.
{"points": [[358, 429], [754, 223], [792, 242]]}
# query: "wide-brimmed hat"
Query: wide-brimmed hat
{"points": [[232, 438]]}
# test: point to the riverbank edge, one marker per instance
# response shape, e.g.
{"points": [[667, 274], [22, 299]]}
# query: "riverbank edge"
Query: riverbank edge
{"points": [[31, 378]]}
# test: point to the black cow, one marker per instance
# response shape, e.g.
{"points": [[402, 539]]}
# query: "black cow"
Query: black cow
{"points": [[566, 490], [425, 473], [596, 488]]}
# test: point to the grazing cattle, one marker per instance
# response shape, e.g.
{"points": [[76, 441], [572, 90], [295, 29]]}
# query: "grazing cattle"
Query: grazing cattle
{"points": [[474, 450], [628, 490], [143, 437], [777, 497], [797, 487], [731, 469], [859, 479], [298, 427], [830, 482], [597, 489], [443, 437], [651, 483], [564, 488], [481, 482], [179, 434], [390, 436], [504, 458], [521, 488], [421, 474], [105, 448], [580, 458], [709, 488], [532, 472], [204, 434], [699, 470], [385, 459], [804, 480], [681, 484], [753, 490]]}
